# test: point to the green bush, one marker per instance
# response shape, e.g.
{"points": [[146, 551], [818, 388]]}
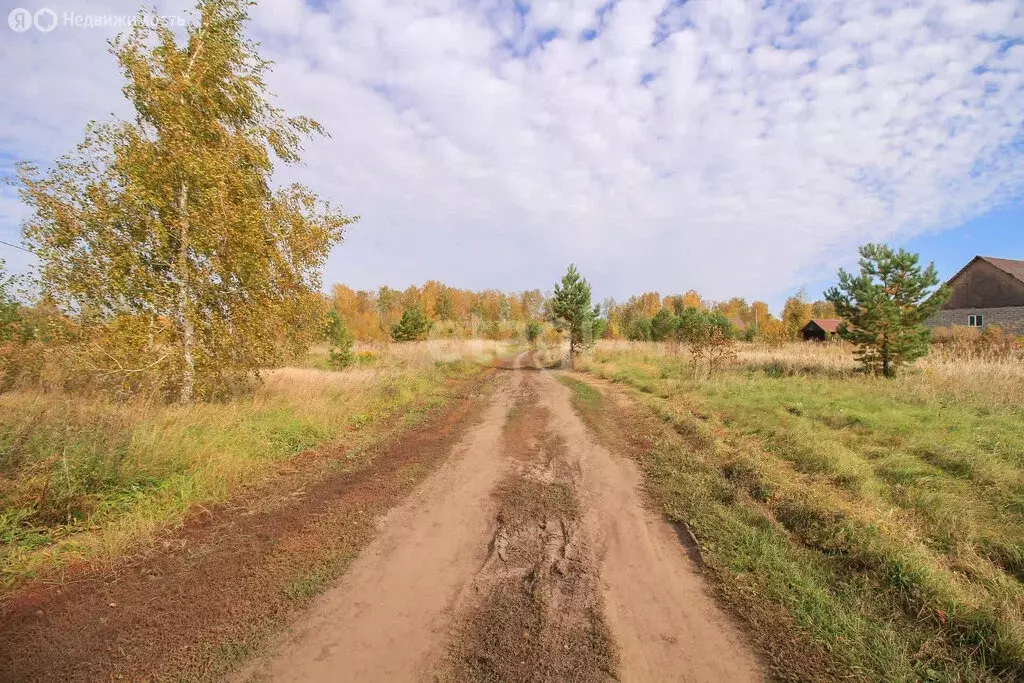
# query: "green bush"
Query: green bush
{"points": [[695, 325], [639, 330]]}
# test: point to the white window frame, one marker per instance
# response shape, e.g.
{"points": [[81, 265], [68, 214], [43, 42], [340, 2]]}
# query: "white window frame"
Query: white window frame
{"points": [[977, 320]]}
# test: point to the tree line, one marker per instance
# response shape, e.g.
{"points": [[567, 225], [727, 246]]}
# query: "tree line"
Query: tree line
{"points": [[371, 315]]}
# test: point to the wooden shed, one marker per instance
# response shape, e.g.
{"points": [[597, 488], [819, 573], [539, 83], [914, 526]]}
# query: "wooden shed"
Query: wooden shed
{"points": [[820, 329]]}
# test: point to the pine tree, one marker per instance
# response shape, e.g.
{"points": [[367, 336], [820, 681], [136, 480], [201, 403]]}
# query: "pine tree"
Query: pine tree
{"points": [[885, 305], [573, 312], [533, 331], [663, 325], [167, 226], [341, 341], [414, 326]]}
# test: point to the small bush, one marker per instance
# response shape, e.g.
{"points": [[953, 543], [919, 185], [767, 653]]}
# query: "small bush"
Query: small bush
{"points": [[713, 349], [992, 343]]}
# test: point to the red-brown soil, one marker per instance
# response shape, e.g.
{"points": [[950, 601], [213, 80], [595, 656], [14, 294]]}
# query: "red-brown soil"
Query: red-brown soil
{"points": [[208, 595]]}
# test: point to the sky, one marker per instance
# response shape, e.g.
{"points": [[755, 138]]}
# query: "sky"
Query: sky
{"points": [[737, 148]]}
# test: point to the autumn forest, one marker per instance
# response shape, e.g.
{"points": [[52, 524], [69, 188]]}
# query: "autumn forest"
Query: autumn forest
{"points": [[491, 314]]}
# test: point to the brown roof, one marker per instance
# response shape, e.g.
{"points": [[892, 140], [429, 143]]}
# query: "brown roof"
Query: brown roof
{"points": [[828, 324], [1010, 266]]}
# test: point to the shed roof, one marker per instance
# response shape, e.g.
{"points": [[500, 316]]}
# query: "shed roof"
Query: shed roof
{"points": [[1009, 266], [830, 325]]}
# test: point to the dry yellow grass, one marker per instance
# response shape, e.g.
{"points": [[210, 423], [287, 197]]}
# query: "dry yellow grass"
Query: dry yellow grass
{"points": [[953, 372], [89, 478]]}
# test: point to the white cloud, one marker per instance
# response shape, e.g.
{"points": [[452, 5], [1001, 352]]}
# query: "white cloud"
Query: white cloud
{"points": [[710, 144]]}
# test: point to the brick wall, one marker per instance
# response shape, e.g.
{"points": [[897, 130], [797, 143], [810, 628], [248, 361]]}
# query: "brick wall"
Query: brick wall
{"points": [[1011, 318]]}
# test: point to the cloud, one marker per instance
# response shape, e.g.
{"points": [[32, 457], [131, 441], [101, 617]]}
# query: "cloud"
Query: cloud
{"points": [[720, 145]]}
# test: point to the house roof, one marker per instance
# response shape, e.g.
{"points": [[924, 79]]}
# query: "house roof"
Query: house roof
{"points": [[1009, 266], [830, 325]]}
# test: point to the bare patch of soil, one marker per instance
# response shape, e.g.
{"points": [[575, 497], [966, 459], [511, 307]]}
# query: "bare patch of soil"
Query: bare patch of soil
{"points": [[534, 610], [212, 591]]}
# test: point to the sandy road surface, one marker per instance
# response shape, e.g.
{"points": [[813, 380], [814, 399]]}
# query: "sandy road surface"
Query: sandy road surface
{"points": [[418, 604]]}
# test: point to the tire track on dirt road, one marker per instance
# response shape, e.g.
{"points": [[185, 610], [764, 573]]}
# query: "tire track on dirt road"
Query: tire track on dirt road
{"points": [[663, 618], [529, 556], [533, 612], [390, 613]]}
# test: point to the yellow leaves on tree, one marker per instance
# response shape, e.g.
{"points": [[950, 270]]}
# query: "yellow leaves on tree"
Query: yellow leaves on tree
{"points": [[169, 219]]}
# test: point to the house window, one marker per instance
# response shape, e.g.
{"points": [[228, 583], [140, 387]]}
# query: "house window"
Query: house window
{"points": [[975, 321]]}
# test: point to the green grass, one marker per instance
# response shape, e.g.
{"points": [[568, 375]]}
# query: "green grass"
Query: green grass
{"points": [[884, 517], [582, 391], [87, 478]]}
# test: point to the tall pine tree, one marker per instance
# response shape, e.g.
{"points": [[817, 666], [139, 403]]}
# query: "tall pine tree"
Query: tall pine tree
{"points": [[573, 312], [885, 305]]}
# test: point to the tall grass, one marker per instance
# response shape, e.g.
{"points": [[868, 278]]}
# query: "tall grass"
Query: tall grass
{"points": [[90, 478], [886, 516]]}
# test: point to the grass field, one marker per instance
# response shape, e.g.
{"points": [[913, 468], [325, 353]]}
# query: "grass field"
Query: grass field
{"points": [[87, 478], [885, 518]]}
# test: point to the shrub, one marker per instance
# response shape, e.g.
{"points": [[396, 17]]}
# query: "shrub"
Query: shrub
{"points": [[715, 349], [695, 326], [992, 343], [367, 357], [639, 330], [497, 331]]}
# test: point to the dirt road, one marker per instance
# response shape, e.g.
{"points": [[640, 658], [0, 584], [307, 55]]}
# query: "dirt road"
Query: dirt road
{"points": [[528, 556]]}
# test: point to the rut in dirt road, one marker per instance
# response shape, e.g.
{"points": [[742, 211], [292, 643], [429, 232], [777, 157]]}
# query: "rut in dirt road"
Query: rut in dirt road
{"points": [[534, 611], [389, 615], [528, 556]]}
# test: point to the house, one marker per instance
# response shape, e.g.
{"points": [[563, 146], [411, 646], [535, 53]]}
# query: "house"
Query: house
{"points": [[820, 329], [987, 291]]}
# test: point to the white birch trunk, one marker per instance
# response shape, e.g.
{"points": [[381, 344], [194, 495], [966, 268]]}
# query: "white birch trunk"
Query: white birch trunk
{"points": [[185, 302]]}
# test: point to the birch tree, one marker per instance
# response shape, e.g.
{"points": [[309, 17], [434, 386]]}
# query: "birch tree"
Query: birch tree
{"points": [[169, 221]]}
